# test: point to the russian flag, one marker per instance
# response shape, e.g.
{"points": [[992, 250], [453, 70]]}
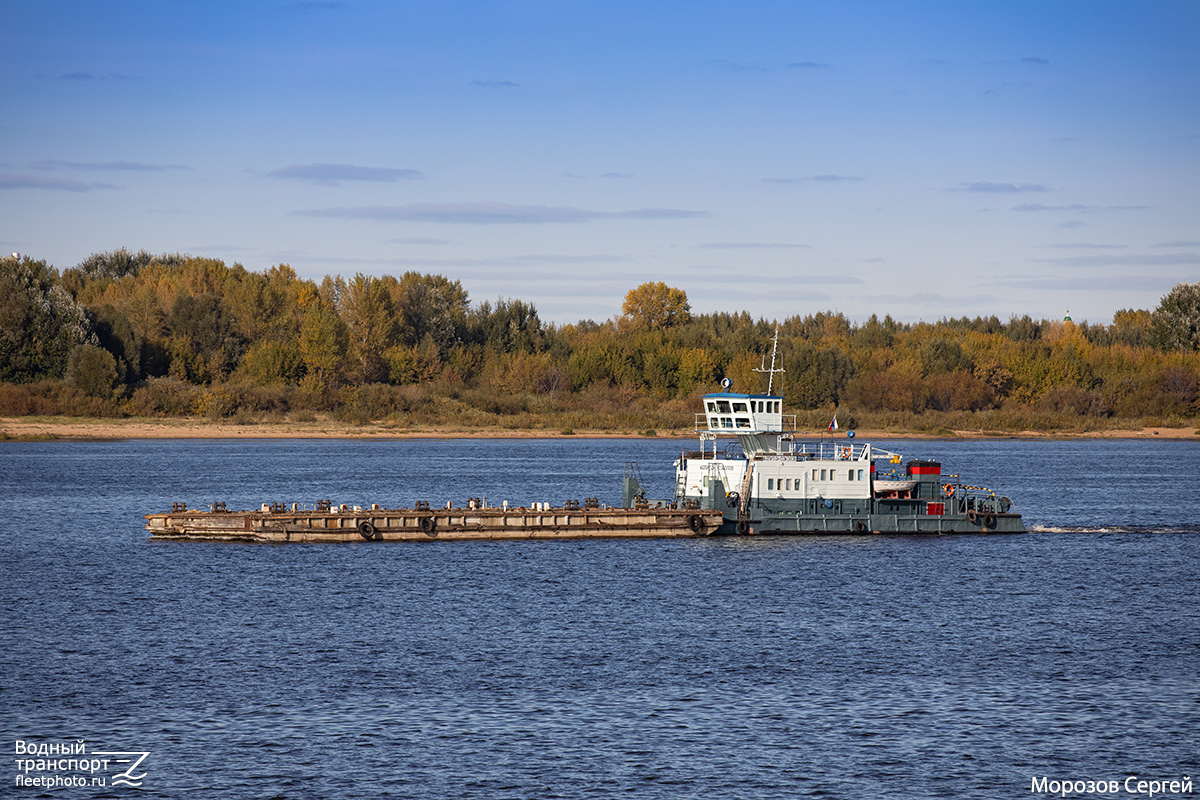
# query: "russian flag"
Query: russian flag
{"points": [[833, 426]]}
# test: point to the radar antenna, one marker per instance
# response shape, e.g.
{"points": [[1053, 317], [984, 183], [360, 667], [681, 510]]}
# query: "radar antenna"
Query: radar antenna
{"points": [[771, 372]]}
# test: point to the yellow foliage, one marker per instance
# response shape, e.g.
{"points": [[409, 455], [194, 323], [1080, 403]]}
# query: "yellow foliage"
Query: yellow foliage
{"points": [[654, 306]]}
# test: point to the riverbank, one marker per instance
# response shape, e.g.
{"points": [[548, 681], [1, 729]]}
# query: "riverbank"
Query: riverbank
{"points": [[85, 429]]}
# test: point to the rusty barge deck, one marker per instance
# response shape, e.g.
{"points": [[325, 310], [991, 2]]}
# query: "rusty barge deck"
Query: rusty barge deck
{"points": [[327, 523]]}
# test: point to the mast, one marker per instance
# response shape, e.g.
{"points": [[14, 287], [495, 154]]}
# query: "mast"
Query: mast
{"points": [[771, 372]]}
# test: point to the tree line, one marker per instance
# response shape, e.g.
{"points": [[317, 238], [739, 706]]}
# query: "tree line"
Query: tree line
{"points": [[138, 334]]}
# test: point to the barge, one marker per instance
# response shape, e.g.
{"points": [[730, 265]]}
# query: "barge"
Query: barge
{"points": [[325, 522]]}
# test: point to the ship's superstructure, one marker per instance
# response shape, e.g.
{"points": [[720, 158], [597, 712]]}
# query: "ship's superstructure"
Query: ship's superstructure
{"points": [[765, 478]]}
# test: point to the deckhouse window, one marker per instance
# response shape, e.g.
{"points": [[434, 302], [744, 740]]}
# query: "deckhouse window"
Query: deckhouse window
{"points": [[712, 407], [723, 406], [739, 408], [743, 422], [770, 484]]}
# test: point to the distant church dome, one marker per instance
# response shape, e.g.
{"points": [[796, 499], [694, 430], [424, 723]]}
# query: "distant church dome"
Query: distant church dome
{"points": [[1067, 318]]}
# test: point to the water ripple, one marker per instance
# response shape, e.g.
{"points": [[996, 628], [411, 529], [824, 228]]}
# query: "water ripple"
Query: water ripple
{"points": [[859, 666]]}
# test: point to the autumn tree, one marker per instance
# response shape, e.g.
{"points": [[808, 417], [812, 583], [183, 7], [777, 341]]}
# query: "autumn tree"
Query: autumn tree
{"points": [[1132, 327], [92, 370], [655, 306], [1175, 324], [273, 361], [39, 322], [119, 263], [117, 336], [511, 326], [369, 314], [266, 305], [429, 306], [815, 375], [205, 344]]}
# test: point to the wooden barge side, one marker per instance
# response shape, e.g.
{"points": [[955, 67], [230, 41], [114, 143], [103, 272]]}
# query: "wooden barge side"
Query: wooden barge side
{"points": [[423, 525]]}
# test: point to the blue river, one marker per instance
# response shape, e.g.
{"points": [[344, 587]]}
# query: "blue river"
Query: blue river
{"points": [[760, 667]]}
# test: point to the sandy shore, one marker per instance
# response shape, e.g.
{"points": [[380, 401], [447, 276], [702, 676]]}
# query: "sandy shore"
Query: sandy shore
{"points": [[83, 429]]}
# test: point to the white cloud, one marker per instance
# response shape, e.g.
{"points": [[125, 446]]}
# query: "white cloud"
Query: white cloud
{"points": [[491, 213], [334, 174]]}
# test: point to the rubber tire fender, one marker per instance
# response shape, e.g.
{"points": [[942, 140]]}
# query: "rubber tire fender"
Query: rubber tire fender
{"points": [[428, 526], [366, 529], [695, 523], [989, 520], [860, 526], [972, 516], [743, 527]]}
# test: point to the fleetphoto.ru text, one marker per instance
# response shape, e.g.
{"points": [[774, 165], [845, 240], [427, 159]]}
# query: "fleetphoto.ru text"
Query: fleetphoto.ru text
{"points": [[49, 765]]}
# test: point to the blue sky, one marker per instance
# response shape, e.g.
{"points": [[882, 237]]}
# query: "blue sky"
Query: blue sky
{"points": [[918, 159]]}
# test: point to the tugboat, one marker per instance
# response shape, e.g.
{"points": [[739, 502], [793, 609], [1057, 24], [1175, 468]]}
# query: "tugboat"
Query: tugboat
{"points": [[771, 481]]}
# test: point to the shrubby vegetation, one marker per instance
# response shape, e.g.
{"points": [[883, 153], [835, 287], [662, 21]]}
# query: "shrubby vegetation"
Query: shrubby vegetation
{"points": [[126, 334]]}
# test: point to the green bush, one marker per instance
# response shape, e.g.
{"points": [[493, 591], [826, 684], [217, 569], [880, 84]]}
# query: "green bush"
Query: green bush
{"points": [[92, 370]]}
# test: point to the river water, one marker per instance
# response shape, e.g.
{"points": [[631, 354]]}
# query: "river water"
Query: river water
{"points": [[766, 667]]}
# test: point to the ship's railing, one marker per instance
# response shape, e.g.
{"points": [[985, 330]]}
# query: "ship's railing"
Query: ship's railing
{"points": [[730, 450], [791, 449], [822, 450], [741, 423]]}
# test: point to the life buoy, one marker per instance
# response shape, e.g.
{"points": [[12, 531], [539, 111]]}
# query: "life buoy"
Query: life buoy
{"points": [[428, 525], [845, 453], [367, 530], [743, 527], [695, 523], [989, 521], [948, 490]]}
